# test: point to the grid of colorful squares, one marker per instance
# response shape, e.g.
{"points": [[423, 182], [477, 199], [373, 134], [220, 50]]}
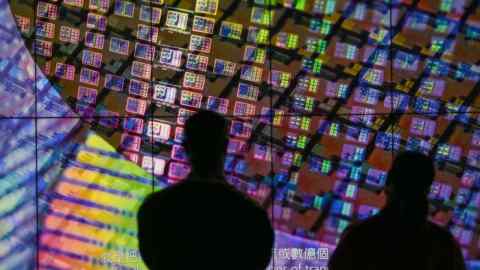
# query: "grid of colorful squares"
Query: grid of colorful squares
{"points": [[361, 60]]}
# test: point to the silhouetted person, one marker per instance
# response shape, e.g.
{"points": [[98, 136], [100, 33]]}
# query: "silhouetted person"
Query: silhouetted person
{"points": [[400, 236], [203, 222]]}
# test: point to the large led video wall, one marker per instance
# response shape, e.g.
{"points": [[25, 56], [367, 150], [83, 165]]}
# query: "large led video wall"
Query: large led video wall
{"points": [[320, 94]]}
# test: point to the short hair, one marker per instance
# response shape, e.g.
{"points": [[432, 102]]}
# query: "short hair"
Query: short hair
{"points": [[205, 133], [411, 174], [205, 140], [202, 225]]}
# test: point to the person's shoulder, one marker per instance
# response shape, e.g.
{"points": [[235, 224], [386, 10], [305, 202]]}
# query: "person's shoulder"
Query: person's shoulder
{"points": [[196, 183], [440, 233], [367, 227], [183, 186], [206, 190], [369, 223], [171, 192]]}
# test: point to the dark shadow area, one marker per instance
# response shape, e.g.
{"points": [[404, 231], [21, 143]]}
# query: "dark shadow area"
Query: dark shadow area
{"points": [[400, 236], [203, 222]]}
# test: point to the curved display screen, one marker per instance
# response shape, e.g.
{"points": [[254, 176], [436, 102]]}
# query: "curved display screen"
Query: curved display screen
{"points": [[320, 95]]}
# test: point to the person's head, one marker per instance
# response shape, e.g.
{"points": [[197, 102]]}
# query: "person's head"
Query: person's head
{"points": [[409, 180], [205, 142], [204, 225]]}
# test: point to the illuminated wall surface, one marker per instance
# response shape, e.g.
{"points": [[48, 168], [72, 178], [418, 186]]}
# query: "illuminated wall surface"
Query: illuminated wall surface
{"points": [[321, 95]]}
